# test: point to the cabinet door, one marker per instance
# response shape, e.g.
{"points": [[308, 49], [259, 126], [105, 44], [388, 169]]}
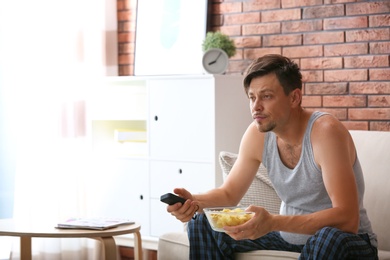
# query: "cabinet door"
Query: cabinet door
{"points": [[165, 176], [119, 188], [161, 221], [181, 119]]}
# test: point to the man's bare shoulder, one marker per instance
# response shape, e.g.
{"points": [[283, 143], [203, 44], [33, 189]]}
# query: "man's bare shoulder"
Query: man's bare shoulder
{"points": [[252, 143], [328, 125], [253, 134], [330, 137]]}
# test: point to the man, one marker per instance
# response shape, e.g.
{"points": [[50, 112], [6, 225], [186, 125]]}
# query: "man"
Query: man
{"points": [[313, 165]]}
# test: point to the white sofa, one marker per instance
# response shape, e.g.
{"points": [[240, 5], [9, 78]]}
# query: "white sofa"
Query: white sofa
{"points": [[373, 149]]}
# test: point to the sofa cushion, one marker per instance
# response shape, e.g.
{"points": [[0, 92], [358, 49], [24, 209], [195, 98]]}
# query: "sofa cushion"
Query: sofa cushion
{"points": [[266, 255], [173, 246], [373, 151], [260, 193]]}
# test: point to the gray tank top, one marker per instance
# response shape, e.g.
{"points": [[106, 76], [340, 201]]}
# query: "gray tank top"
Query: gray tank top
{"points": [[302, 189]]}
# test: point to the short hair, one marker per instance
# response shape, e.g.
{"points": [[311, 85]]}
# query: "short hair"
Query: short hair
{"points": [[286, 71]]}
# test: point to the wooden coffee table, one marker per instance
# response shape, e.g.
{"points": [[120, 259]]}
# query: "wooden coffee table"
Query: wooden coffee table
{"points": [[9, 227]]}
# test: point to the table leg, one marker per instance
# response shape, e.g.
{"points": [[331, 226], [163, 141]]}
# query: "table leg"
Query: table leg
{"points": [[109, 247], [137, 245], [25, 248]]}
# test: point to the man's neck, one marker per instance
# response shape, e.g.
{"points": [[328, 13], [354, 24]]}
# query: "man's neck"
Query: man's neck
{"points": [[292, 134]]}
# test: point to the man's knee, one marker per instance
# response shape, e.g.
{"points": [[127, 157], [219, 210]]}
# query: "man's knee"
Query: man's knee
{"points": [[331, 243], [329, 236], [328, 232]]}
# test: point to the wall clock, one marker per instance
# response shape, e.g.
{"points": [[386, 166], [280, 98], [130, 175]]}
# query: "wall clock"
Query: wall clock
{"points": [[215, 61]]}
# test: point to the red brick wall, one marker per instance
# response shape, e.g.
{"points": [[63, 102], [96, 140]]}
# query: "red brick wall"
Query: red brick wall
{"points": [[127, 15], [342, 47]]}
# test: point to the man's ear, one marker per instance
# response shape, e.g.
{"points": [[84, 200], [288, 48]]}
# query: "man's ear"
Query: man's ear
{"points": [[296, 97]]}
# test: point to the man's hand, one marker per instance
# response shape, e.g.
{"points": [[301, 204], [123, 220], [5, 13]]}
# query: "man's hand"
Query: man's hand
{"points": [[258, 226], [183, 212]]}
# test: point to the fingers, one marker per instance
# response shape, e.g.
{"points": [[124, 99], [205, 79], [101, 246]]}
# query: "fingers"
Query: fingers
{"points": [[183, 212], [241, 234], [237, 235], [196, 208], [182, 192]]}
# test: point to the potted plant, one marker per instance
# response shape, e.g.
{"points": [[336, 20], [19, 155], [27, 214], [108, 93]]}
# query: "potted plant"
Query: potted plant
{"points": [[220, 41]]}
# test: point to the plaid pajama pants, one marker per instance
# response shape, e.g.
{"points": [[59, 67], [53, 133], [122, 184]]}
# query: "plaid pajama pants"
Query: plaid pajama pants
{"points": [[327, 243]]}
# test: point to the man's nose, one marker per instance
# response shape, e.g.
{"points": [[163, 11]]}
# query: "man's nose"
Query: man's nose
{"points": [[257, 105]]}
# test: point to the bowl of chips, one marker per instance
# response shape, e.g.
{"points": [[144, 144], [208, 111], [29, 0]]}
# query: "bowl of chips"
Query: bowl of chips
{"points": [[226, 216]]}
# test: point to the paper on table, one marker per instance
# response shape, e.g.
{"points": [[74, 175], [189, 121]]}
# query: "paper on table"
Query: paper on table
{"points": [[93, 223]]}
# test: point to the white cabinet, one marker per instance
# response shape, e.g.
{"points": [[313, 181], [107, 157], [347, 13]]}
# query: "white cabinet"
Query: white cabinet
{"points": [[188, 121], [196, 177], [167, 175], [181, 119], [119, 188]]}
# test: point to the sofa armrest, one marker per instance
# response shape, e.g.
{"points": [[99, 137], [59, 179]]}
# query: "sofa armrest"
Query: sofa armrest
{"points": [[173, 246]]}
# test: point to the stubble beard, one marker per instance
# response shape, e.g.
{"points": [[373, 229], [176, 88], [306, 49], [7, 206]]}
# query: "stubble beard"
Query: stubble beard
{"points": [[266, 127]]}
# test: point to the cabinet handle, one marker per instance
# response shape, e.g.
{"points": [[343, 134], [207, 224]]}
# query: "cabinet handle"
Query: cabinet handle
{"points": [[155, 118], [180, 171], [141, 197]]}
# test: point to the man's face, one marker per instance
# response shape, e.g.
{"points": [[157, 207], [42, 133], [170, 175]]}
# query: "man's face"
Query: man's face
{"points": [[268, 103]]}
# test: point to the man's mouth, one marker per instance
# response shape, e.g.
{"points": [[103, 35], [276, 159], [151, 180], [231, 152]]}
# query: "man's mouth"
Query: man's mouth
{"points": [[259, 117]]}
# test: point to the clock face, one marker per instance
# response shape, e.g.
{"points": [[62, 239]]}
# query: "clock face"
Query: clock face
{"points": [[215, 61]]}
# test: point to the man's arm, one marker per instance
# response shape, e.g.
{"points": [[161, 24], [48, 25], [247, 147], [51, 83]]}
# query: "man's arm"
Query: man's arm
{"points": [[334, 152]]}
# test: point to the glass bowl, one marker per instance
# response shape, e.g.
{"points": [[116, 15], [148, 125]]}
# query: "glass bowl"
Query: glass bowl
{"points": [[226, 216]]}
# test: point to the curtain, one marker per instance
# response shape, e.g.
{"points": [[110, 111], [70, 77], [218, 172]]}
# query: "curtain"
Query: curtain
{"points": [[52, 54]]}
